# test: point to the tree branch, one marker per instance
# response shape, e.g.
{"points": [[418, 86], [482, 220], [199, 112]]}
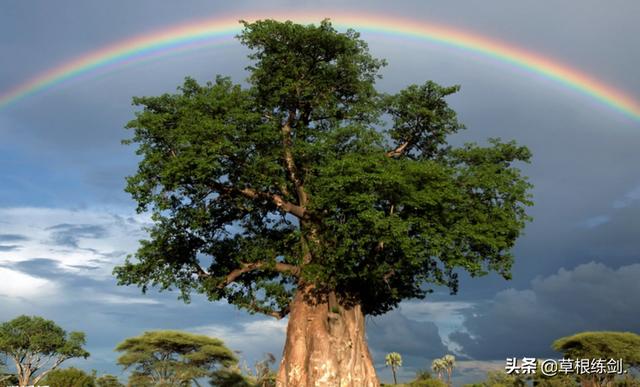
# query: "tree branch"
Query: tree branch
{"points": [[399, 151], [250, 193], [277, 314], [55, 365], [248, 267], [290, 162], [280, 314], [277, 200]]}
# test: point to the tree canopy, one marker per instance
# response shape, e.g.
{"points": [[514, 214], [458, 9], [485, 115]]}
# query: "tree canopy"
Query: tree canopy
{"points": [[172, 358], [38, 346], [108, 381], [601, 345], [309, 175], [68, 377]]}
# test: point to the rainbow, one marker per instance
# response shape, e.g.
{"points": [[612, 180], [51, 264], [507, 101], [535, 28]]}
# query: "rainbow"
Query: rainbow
{"points": [[217, 30]]}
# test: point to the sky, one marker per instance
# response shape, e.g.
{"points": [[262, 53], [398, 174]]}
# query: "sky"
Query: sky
{"points": [[65, 220]]}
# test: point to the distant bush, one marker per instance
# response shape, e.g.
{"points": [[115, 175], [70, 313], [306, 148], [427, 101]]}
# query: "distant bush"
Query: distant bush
{"points": [[419, 383], [423, 375], [108, 381], [427, 383], [68, 377]]}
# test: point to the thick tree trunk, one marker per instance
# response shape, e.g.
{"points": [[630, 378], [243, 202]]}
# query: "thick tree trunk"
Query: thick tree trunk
{"points": [[325, 347]]}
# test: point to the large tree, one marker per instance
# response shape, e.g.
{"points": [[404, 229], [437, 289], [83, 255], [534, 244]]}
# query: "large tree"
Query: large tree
{"points": [[38, 346], [311, 195], [173, 358]]}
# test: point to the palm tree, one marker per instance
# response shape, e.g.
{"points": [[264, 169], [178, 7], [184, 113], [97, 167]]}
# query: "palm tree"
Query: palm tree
{"points": [[449, 362], [438, 366], [394, 360]]}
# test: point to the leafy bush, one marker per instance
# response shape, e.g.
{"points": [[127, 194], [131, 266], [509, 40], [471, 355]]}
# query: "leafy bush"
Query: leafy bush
{"points": [[108, 381], [427, 383], [68, 377]]}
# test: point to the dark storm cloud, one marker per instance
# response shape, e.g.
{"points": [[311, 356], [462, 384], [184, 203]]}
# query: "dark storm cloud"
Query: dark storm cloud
{"points": [[519, 323], [418, 342], [618, 238], [53, 270], [38, 267], [394, 332], [69, 234], [12, 238]]}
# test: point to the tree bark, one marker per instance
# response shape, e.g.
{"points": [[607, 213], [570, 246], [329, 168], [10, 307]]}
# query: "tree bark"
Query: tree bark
{"points": [[325, 346]]}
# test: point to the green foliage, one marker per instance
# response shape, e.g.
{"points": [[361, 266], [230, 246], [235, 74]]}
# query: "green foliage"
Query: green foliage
{"points": [[502, 379], [627, 381], [108, 381], [137, 379], [555, 381], [230, 378], [326, 181], [420, 383], [172, 358], [68, 377], [265, 376], [601, 345], [393, 359], [8, 381], [39, 345], [438, 366], [423, 375], [427, 383], [6, 378], [37, 335]]}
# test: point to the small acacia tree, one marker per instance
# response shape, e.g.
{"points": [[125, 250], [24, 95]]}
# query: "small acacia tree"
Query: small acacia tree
{"points": [[311, 195], [172, 358], [393, 360], [601, 345], [38, 346]]}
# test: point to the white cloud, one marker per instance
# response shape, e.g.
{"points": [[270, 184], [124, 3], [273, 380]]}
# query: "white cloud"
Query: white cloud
{"points": [[435, 311], [596, 221], [252, 339], [116, 299], [448, 316], [628, 198], [479, 366], [85, 244], [14, 284], [41, 226]]}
